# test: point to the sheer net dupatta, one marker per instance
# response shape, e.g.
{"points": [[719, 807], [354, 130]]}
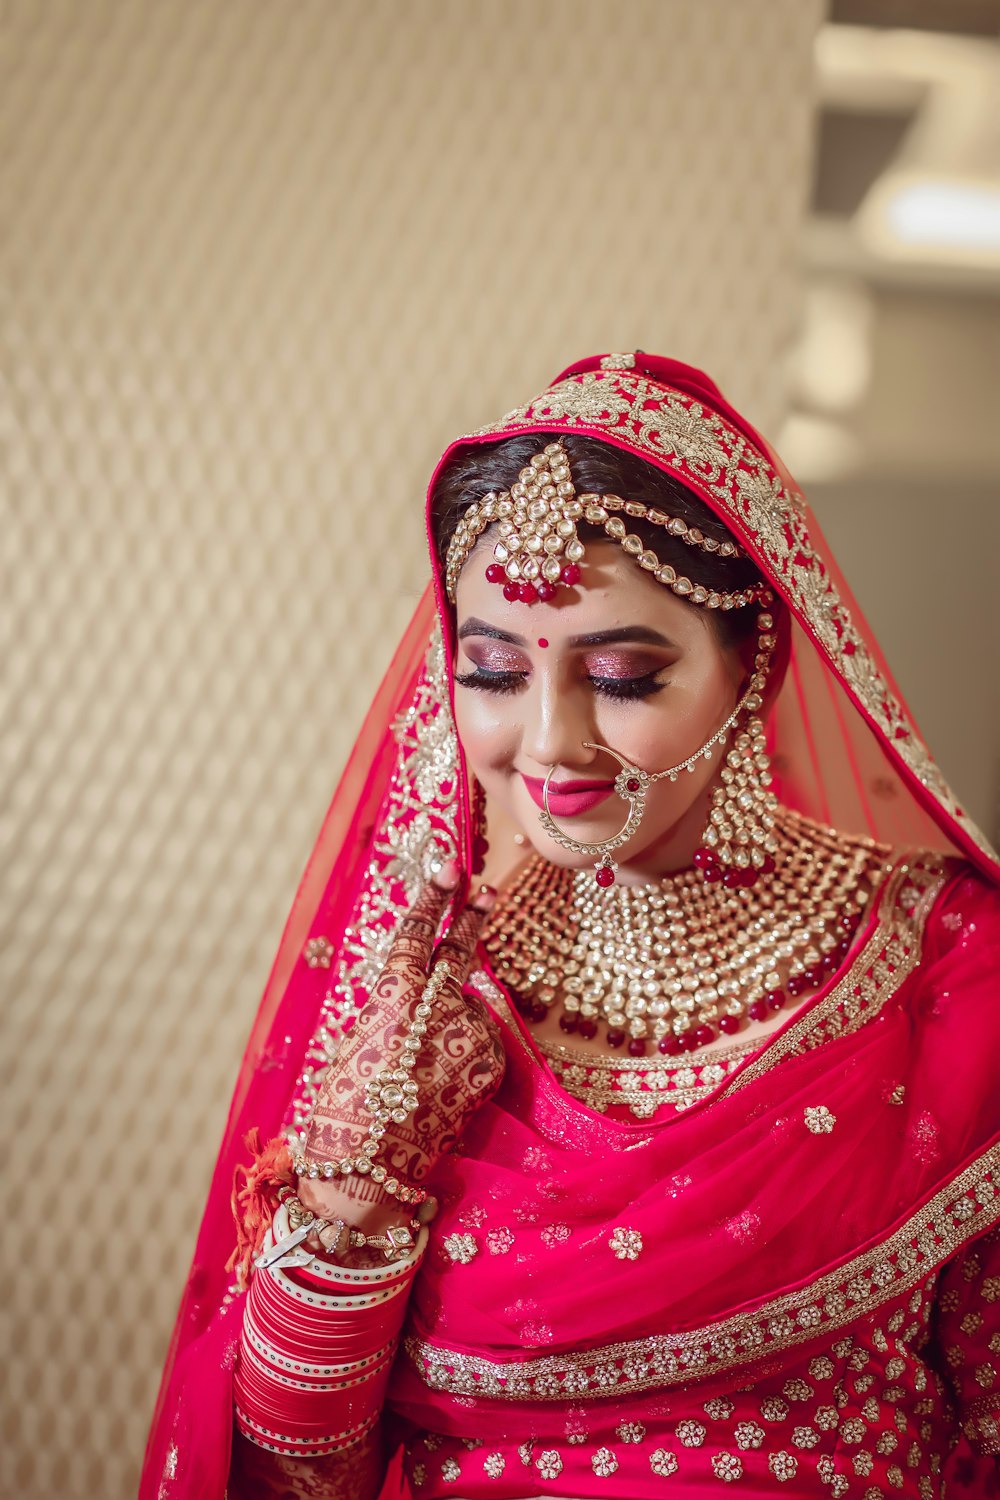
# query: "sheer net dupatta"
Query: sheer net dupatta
{"points": [[845, 746], [397, 808]]}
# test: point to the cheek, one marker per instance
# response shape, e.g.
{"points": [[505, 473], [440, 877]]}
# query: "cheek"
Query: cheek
{"points": [[487, 730]]}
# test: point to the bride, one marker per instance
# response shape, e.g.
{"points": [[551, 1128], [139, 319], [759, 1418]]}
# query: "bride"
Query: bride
{"points": [[621, 1116]]}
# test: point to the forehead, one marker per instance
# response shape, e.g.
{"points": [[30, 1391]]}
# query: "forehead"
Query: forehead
{"points": [[613, 592]]}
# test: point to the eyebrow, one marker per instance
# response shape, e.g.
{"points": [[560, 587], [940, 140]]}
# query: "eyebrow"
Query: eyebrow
{"points": [[642, 634]]}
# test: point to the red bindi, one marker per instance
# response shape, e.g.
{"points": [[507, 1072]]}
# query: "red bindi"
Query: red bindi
{"points": [[542, 641]]}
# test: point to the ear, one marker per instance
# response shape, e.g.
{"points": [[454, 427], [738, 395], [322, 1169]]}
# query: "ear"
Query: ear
{"points": [[741, 658]]}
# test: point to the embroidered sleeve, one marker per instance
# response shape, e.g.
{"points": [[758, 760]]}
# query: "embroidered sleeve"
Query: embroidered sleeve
{"points": [[968, 1338]]}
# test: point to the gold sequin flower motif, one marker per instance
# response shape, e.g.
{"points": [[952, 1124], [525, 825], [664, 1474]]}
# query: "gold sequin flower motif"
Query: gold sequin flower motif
{"points": [[318, 953], [461, 1247], [604, 1463], [820, 1120], [549, 1464], [626, 1243]]}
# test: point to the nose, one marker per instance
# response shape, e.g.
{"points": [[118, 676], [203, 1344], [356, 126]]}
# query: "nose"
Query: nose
{"points": [[556, 724]]}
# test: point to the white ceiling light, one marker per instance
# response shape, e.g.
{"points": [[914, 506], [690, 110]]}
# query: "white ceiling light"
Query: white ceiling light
{"points": [[958, 214], [913, 216]]}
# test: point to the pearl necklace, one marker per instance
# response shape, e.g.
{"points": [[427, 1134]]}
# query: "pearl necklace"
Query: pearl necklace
{"points": [[678, 961]]}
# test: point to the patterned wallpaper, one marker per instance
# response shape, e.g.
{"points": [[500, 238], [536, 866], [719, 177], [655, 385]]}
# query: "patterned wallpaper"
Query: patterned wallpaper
{"points": [[265, 260]]}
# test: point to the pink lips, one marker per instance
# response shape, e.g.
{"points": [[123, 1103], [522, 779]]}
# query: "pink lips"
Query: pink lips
{"points": [[568, 799]]}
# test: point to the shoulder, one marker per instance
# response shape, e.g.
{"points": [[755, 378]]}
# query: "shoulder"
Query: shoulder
{"points": [[939, 900]]}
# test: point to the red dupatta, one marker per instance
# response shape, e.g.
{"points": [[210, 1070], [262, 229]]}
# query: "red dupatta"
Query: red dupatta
{"points": [[758, 1231]]}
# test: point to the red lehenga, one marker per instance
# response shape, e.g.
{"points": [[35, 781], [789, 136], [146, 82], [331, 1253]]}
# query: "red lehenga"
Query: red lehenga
{"points": [[778, 1269]]}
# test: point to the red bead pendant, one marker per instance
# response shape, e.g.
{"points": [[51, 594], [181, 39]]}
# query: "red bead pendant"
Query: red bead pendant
{"points": [[496, 573], [570, 574], [545, 590], [605, 876], [729, 1024], [527, 593], [637, 1047], [669, 1045], [511, 590]]}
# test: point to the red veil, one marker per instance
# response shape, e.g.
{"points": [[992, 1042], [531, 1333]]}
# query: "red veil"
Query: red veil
{"points": [[845, 752]]}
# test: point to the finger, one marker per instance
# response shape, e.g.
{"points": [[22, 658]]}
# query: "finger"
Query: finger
{"points": [[457, 947], [416, 932]]}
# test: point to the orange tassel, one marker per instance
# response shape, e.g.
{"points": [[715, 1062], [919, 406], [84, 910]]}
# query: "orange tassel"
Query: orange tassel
{"points": [[255, 1198]]}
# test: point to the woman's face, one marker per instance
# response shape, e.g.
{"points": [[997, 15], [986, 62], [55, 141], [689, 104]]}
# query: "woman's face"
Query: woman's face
{"points": [[618, 661]]}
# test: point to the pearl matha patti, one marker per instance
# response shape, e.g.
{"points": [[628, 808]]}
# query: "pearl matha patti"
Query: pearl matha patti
{"points": [[538, 547]]}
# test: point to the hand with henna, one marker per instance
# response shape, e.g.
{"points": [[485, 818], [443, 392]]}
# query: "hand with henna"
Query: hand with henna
{"points": [[459, 1065]]}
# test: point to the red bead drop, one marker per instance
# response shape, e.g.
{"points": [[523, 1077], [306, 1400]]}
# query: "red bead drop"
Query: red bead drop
{"points": [[748, 876], [758, 1010], [732, 878], [545, 590], [527, 593], [686, 1042], [769, 866], [669, 1045], [496, 573], [586, 1028], [539, 1011], [729, 1024], [512, 590], [615, 1037], [796, 985], [570, 573], [567, 1021], [775, 999], [605, 876], [703, 1035], [637, 1047]]}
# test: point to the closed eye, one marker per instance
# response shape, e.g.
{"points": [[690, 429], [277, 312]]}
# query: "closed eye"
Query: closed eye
{"points": [[608, 687]]}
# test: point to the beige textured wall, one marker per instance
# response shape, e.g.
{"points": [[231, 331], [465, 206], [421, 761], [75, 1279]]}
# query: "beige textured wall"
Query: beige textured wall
{"points": [[266, 259]]}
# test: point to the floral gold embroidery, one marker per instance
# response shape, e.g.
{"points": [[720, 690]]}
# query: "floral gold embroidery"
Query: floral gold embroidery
{"points": [[820, 1120], [782, 1465], [318, 952], [494, 1464], [727, 1467], [549, 1464], [884, 1272], [663, 1462], [626, 1243], [461, 1247], [631, 1432], [604, 1463]]}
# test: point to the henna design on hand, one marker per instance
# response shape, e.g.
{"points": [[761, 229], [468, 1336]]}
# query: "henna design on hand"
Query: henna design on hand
{"points": [[460, 1063], [356, 1474]]}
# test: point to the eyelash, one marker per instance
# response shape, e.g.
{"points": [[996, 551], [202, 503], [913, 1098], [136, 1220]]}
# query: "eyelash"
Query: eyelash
{"points": [[609, 687]]}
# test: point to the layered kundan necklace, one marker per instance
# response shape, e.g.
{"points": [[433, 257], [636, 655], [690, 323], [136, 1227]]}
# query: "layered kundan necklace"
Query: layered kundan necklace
{"points": [[672, 964]]}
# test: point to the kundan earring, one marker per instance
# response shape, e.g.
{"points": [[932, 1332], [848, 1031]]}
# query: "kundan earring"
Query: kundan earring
{"points": [[739, 843]]}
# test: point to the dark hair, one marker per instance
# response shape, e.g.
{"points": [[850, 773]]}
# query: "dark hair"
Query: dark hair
{"points": [[603, 469]]}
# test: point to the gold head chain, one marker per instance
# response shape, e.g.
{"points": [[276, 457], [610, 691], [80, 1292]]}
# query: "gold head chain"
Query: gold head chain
{"points": [[538, 547]]}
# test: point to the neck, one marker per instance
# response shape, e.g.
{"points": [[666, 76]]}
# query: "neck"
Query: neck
{"points": [[674, 850]]}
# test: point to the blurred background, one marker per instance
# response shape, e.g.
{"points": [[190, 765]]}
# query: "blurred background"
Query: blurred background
{"points": [[264, 261]]}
